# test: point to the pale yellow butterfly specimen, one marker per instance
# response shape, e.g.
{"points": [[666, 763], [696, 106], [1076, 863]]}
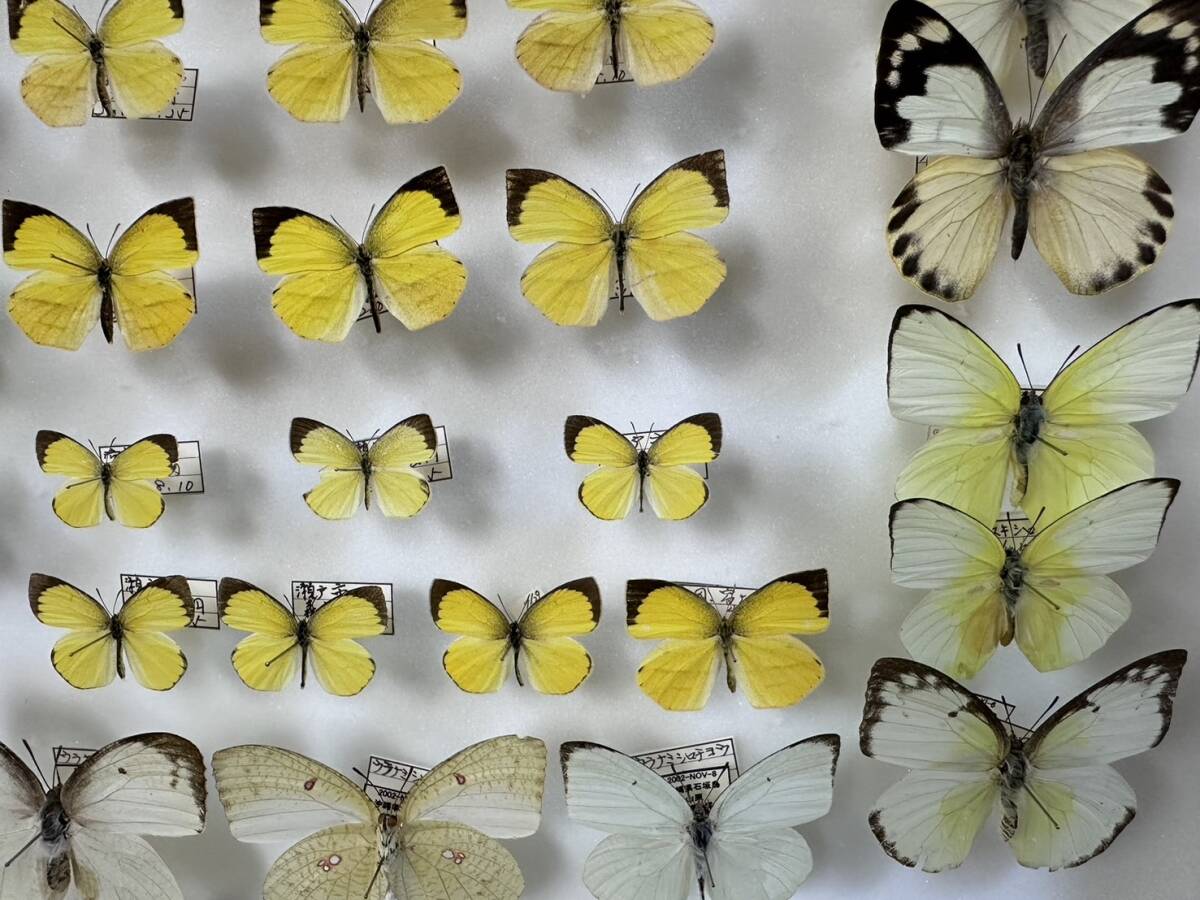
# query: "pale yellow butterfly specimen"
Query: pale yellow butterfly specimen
{"points": [[281, 641], [757, 640], [328, 277], [659, 472], [123, 488], [439, 843], [650, 253], [1059, 447], [335, 57], [647, 41], [99, 643], [352, 472], [74, 285], [120, 65], [541, 640], [1049, 592]]}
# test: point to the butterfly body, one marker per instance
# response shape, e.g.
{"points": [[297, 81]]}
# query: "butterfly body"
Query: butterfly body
{"points": [[1037, 38]]}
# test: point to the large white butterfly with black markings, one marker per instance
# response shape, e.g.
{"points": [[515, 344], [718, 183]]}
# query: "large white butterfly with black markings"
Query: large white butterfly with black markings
{"points": [[85, 832], [1098, 215], [1060, 801]]}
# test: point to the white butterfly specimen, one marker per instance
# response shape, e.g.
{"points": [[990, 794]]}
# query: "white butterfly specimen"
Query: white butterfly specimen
{"points": [[745, 847], [1057, 34], [1051, 593], [1061, 802], [1098, 215], [85, 832], [1059, 447], [438, 844]]}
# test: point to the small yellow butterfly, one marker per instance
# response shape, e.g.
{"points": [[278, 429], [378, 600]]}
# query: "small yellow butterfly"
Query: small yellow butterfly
{"points": [[122, 488], [659, 472], [542, 637], [98, 642], [280, 641], [757, 640], [120, 64]]}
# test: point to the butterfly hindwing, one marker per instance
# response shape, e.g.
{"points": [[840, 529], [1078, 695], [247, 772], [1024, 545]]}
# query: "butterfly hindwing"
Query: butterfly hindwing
{"points": [[674, 490], [341, 664], [267, 660], [477, 660], [610, 491], [555, 661], [679, 673], [87, 656]]}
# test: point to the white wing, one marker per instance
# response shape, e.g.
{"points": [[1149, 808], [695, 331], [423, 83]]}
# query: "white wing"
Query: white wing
{"points": [[994, 28], [933, 92], [21, 799], [769, 865], [120, 866], [146, 784], [1142, 84], [1074, 28], [632, 867], [445, 861]]}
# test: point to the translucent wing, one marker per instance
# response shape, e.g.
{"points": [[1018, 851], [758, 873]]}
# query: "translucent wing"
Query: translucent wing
{"points": [[563, 48], [145, 75], [679, 673], [60, 86], [612, 792], [635, 867], [555, 661], [343, 666], [675, 492], [86, 657], [314, 81], [476, 661], [994, 28], [163, 605], [412, 81], [1076, 27], [275, 795], [663, 40], [21, 799], [416, 280], [933, 92], [440, 861], [343, 486], [400, 489], [339, 862], [266, 660], [133, 497], [80, 502], [322, 290], [609, 492]]}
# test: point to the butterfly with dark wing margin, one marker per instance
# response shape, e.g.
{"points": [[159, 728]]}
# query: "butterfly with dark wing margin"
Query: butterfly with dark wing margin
{"points": [[1098, 215], [1061, 802], [87, 832]]}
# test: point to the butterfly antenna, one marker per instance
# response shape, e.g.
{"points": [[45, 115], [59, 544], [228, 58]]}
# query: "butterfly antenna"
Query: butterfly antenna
{"points": [[1038, 98], [1038, 720], [100, 15], [333, 219], [629, 202], [91, 237], [112, 237], [1021, 354], [1034, 524], [33, 840], [1067, 361], [1029, 84], [607, 208], [37, 768], [367, 224], [352, 9]]}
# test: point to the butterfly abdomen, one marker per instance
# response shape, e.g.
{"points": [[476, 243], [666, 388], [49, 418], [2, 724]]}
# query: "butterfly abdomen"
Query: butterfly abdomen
{"points": [[368, 275], [1012, 780], [107, 315], [1021, 161], [362, 49], [96, 50], [1028, 423], [54, 827], [1037, 40]]}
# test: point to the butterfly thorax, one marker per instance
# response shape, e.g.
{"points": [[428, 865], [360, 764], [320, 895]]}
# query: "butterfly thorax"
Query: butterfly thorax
{"points": [[620, 238], [1020, 171], [725, 635], [95, 49], [55, 826], [303, 632], [362, 50], [1037, 39], [1030, 418], [1012, 576], [1012, 780], [366, 268], [107, 318]]}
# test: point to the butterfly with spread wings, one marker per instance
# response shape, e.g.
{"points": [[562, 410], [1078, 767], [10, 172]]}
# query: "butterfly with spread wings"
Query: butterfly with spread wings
{"points": [[86, 832], [74, 285], [1061, 802], [439, 843], [658, 847], [120, 64], [1060, 447], [1098, 215]]}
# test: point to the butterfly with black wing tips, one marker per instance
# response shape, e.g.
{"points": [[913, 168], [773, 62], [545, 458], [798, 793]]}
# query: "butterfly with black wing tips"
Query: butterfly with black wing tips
{"points": [[86, 831], [1098, 215], [1061, 802]]}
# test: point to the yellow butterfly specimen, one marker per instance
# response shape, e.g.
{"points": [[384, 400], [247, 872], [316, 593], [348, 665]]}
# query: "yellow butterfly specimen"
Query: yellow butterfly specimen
{"points": [[650, 253], [335, 56], [660, 472], [281, 641], [352, 472], [328, 276], [74, 285], [757, 640], [122, 488], [542, 637], [649, 41], [120, 64], [99, 643]]}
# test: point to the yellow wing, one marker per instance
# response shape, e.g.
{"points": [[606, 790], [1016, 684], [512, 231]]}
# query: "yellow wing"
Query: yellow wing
{"points": [[164, 604], [670, 272], [150, 305], [314, 81], [556, 663], [675, 491], [60, 304], [475, 661], [412, 81], [571, 281], [133, 498], [343, 666], [267, 659], [416, 280], [145, 75], [563, 49], [400, 490], [679, 673], [87, 657], [342, 489], [60, 86], [80, 502], [663, 40], [607, 493], [774, 668]]}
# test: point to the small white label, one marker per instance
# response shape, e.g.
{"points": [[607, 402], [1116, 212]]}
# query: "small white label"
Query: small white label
{"points": [[723, 596], [204, 597], [309, 596], [699, 772], [642, 440], [388, 781], [71, 757], [181, 109], [187, 474]]}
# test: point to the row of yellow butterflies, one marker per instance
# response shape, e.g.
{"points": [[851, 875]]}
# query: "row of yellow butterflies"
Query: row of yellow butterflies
{"points": [[328, 279], [757, 639], [353, 473], [336, 57]]}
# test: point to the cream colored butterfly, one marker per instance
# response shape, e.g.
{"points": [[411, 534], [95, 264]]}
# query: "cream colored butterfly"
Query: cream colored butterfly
{"points": [[439, 844]]}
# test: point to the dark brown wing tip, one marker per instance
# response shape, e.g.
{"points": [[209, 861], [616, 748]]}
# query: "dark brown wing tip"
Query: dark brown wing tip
{"points": [[266, 10], [712, 166], [267, 220], [435, 182], [176, 584], [38, 585], [636, 591], [519, 183], [15, 212], [183, 213], [165, 442], [710, 422], [572, 427], [589, 588], [227, 588], [373, 594], [437, 592], [176, 8], [424, 424], [569, 748], [816, 582], [300, 429], [16, 12], [186, 757], [43, 441]]}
